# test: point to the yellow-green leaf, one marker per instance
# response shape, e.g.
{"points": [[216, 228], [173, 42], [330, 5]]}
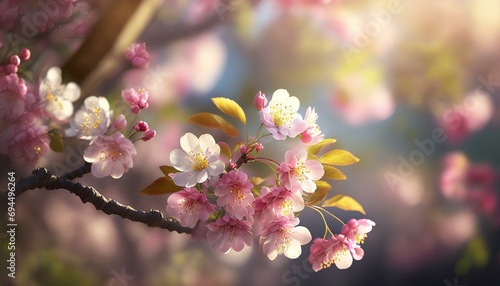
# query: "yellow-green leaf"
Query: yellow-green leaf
{"points": [[207, 119], [344, 203], [333, 173], [230, 107], [314, 149], [225, 150], [257, 180], [161, 186], [168, 169], [56, 142], [322, 189], [338, 157]]}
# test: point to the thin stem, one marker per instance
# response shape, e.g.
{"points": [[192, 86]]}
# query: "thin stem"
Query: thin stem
{"points": [[334, 216], [262, 159], [327, 229]]}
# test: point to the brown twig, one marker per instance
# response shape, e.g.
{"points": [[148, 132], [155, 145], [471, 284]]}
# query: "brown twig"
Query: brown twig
{"points": [[41, 178]]}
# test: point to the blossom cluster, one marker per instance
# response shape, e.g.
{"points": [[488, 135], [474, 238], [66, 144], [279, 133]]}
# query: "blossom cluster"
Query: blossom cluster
{"points": [[24, 135], [28, 109], [236, 207]]}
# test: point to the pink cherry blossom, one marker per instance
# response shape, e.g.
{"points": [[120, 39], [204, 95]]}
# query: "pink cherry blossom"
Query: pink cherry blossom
{"points": [[234, 192], [337, 250], [280, 117], [356, 230], [276, 202], [30, 144], [197, 161], [12, 97], [298, 173], [282, 235], [312, 135], [189, 206], [92, 119], [137, 98], [110, 155], [138, 55], [471, 115], [228, 233]]}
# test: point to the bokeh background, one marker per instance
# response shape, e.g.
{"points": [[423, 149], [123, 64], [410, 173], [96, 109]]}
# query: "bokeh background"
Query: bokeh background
{"points": [[410, 87]]}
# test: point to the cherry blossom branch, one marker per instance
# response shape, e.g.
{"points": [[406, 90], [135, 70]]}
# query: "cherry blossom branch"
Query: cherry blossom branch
{"points": [[41, 178]]}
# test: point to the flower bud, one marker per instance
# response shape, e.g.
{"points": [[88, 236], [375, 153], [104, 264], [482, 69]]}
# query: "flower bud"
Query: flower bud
{"points": [[120, 122], [243, 149], [25, 54], [148, 135], [141, 126], [15, 60], [259, 147], [259, 101], [10, 68]]}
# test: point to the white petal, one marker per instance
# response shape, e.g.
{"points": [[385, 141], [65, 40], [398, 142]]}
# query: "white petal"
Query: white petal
{"points": [[189, 142], [293, 250], [207, 141], [117, 171], [301, 234], [202, 176], [72, 92], [101, 169], [279, 96], [65, 112], [54, 76], [103, 103], [185, 179], [180, 160], [344, 261]]}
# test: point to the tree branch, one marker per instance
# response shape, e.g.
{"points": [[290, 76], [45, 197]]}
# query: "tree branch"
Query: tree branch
{"points": [[42, 178]]}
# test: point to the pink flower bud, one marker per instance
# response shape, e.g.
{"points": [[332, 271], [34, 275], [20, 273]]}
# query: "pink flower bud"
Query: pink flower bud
{"points": [[232, 165], [259, 100], [15, 60], [25, 54], [138, 55], [141, 126], [259, 147], [148, 135], [243, 149], [120, 122], [135, 109], [10, 68]]}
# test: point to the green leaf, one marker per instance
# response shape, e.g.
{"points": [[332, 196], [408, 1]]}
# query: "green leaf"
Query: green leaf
{"points": [[333, 173], [211, 120], [338, 157], [257, 180], [56, 142], [230, 107], [344, 203], [168, 169], [225, 150], [314, 149], [161, 186], [322, 189]]}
